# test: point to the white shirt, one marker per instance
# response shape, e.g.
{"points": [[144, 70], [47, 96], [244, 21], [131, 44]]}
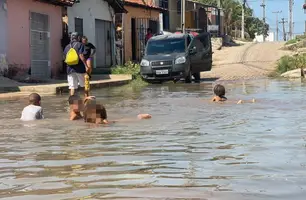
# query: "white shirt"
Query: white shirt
{"points": [[32, 112]]}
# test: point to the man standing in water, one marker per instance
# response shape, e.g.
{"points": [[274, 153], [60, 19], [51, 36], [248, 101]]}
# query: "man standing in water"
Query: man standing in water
{"points": [[76, 73]]}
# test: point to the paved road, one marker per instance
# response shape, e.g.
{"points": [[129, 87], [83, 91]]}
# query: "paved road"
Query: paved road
{"points": [[245, 62]]}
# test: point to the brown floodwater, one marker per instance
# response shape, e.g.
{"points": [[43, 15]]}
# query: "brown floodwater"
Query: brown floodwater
{"points": [[190, 149]]}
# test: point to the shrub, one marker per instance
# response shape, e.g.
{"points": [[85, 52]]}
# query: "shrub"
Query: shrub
{"points": [[292, 41], [128, 68], [287, 63]]}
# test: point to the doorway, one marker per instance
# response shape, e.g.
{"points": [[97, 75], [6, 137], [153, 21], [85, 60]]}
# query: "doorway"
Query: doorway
{"points": [[134, 50], [103, 44], [40, 46]]}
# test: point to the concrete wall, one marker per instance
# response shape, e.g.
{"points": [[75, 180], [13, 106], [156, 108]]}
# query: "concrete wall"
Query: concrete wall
{"points": [[3, 35], [134, 12], [19, 32], [174, 17], [89, 11]]}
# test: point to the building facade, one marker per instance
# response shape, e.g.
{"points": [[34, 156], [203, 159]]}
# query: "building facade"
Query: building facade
{"points": [[3, 36], [95, 19], [34, 35], [136, 21]]}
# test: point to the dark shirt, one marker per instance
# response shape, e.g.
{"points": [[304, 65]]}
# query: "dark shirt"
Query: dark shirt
{"points": [[88, 48], [80, 49]]}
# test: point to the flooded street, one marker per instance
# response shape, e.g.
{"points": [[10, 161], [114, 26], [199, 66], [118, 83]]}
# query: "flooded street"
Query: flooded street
{"points": [[190, 149]]}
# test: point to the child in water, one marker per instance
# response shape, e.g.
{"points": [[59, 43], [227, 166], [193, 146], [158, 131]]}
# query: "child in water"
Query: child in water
{"points": [[33, 111], [219, 91], [96, 113]]}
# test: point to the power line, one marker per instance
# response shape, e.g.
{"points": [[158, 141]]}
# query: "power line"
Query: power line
{"points": [[284, 29], [263, 5], [277, 12]]}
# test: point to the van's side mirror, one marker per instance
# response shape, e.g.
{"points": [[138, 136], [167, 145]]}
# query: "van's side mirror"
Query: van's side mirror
{"points": [[192, 51]]}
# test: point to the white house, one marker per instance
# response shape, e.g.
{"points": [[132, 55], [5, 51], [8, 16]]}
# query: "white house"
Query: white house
{"points": [[3, 35], [95, 19], [269, 38]]}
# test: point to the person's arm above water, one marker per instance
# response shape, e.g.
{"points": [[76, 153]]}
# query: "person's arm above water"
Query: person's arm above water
{"points": [[93, 50], [139, 117], [243, 101], [81, 52]]}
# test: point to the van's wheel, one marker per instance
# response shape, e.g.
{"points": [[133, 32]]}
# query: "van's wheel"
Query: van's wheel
{"points": [[197, 76], [188, 77]]}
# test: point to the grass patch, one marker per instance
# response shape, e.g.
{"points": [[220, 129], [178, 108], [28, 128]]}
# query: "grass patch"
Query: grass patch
{"points": [[131, 69], [298, 38], [288, 63]]}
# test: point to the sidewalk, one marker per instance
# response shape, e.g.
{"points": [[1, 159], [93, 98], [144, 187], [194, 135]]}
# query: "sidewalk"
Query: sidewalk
{"points": [[12, 89]]}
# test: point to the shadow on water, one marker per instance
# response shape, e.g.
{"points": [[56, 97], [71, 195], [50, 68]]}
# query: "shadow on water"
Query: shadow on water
{"points": [[190, 149]]}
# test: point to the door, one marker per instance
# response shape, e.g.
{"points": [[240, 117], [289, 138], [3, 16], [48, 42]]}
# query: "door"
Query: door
{"points": [[133, 38], [195, 51], [206, 52], [40, 46], [104, 53]]}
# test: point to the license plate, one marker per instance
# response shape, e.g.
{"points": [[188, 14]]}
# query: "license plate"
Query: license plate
{"points": [[160, 72]]}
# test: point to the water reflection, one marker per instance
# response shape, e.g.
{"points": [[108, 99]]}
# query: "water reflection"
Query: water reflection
{"points": [[191, 149]]}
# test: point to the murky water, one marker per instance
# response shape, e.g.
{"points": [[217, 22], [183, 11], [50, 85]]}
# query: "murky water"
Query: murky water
{"points": [[190, 149]]}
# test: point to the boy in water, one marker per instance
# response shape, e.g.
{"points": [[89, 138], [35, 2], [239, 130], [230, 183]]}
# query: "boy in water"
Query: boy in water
{"points": [[33, 111], [75, 106], [219, 91], [96, 113]]}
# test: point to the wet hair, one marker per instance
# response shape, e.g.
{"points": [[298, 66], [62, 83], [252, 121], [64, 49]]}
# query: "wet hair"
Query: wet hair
{"points": [[219, 90], [34, 98], [73, 98], [92, 109]]}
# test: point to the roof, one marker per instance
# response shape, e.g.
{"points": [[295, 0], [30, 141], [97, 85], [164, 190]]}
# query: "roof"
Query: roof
{"points": [[59, 2], [142, 3], [117, 5]]}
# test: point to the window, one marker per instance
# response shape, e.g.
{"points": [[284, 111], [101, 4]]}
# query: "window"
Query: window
{"points": [[179, 4], [166, 46], [78, 25], [163, 4]]}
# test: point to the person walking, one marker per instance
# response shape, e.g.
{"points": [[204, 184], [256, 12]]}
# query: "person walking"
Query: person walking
{"points": [[76, 63], [90, 50]]}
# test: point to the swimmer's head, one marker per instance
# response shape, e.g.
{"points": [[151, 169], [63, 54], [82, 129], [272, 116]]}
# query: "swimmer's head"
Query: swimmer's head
{"points": [[219, 90], [75, 103], [34, 99]]}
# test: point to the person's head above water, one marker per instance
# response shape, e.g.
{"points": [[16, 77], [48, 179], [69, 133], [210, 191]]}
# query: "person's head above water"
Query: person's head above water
{"points": [[34, 99], [219, 90], [94, 112], [75, 103]]}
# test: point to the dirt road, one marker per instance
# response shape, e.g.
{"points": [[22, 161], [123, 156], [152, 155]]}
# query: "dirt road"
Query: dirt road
{"points": [[252, 60]]}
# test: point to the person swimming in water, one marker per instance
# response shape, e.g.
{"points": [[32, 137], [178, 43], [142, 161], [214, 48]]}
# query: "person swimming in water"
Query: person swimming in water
{"points": [[219, 95], [219, 92]]}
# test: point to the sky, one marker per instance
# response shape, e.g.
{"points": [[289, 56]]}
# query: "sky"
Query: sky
{"points": [[299, 16]]}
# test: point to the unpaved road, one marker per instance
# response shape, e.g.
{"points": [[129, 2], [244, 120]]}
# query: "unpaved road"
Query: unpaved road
{"points": [[249, 61]]}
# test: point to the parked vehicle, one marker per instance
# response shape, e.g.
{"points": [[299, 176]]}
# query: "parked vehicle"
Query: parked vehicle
{"points": [[176, 56]]}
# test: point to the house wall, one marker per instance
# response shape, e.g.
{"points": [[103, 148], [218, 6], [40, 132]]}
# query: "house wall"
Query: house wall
{"points": [[89, 11], [174, 17], [3, 35], [134, 12], [19, 32]]}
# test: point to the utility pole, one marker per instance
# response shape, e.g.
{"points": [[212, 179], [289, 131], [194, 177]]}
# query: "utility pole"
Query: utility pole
{"points": [[263, 5], [242, 19], [290, 19], [183, 10], [277, 12], [284, 29]]}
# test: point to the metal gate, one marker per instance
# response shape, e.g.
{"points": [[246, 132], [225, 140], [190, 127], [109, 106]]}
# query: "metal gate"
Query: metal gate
{"points": [[104, 42], [141, 26], [40, 48]]}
